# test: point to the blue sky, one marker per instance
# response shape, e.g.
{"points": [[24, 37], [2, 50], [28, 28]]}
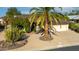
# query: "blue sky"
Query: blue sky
{"points": [[25, 10]]}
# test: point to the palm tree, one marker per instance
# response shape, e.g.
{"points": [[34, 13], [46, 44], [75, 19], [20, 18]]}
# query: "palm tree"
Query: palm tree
{"points": [[45, 17]]}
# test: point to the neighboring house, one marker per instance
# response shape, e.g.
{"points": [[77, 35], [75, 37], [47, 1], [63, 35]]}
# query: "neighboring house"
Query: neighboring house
{"points": [[64, 26], [74, 18]]}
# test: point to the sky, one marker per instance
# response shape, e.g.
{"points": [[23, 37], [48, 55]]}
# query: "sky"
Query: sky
{"points": [[25, 10]]}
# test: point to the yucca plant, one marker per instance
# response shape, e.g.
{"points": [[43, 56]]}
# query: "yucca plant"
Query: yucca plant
{"points": [[45, 17]]}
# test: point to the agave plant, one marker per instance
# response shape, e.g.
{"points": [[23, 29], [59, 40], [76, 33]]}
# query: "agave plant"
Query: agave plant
{"points": [[45, 17]]}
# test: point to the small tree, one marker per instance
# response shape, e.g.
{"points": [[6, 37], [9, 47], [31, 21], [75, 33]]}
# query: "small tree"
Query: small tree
{"points": [[13, 12], [10, 14]]}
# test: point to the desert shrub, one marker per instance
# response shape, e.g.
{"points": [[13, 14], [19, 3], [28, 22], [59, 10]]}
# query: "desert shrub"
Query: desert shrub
{"points": [[13, 34]]}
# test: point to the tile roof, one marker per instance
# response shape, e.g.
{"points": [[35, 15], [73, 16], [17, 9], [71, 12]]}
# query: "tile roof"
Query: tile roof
{"points": [[73, 17]]}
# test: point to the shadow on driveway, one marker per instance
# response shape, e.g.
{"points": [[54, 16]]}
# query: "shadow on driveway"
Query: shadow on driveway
{"points": [[71, 48]]}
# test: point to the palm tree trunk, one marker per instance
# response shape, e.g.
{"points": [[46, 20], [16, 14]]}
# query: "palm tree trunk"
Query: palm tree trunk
{"points": [[46, 35], [46, 27], [46, 22]]}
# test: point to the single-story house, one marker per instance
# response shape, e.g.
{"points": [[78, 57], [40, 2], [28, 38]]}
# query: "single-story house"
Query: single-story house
{"points": [[74, 18], [65, 25]]}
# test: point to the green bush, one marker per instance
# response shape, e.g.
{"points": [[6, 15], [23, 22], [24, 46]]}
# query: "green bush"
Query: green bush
{"points": [[74, 26], [24, 23], [13, 34], [26, 26]]}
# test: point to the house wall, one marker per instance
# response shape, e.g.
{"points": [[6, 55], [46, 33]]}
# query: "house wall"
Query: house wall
{"points": [[61, 28], [1, 22]]}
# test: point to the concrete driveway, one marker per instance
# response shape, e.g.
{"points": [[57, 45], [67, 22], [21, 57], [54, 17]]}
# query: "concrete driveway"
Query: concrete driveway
{"points": [[62, 39]]}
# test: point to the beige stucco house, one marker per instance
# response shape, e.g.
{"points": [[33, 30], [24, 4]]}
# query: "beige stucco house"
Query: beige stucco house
{"points": [[63, 27]]}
